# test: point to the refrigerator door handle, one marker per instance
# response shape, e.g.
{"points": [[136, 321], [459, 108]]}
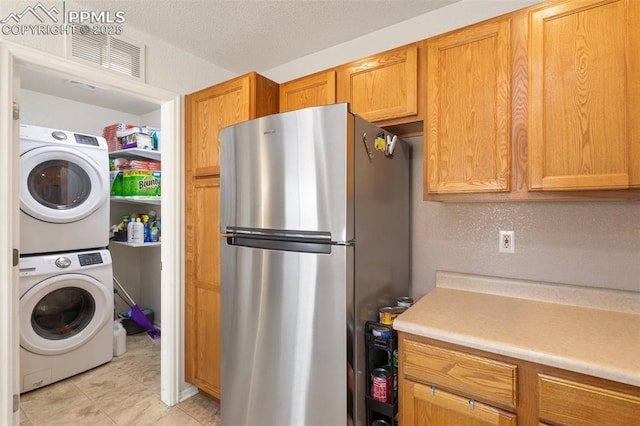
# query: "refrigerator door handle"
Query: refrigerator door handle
{"points": [[280, 234], [281, 245]]}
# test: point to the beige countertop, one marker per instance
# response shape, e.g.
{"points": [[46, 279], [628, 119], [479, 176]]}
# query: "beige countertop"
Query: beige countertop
{"points": [[586, 330]]}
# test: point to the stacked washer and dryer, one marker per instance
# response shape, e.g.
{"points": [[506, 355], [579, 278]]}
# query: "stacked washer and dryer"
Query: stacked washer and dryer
{"points": [[66, 276]]}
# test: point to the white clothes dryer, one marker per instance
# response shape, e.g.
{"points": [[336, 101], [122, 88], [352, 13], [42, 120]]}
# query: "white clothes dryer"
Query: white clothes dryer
{"points": [[64, 191], [66, 315]]}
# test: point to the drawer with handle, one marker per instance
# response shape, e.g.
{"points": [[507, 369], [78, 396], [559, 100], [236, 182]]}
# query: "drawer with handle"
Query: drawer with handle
{"points": [[483, 378]]}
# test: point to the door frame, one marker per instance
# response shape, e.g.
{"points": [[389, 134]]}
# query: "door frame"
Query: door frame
{"points": [[12, 57]]}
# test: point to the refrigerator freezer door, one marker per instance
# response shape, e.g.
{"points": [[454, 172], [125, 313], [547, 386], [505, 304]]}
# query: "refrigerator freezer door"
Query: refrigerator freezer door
{"points": [[284, 337], [289, 171]]}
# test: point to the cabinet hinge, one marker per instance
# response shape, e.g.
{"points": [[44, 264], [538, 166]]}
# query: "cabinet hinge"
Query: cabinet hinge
{"points": [[16, 257], [16, 402], [472, 404], [433, 391], [16, 111]]}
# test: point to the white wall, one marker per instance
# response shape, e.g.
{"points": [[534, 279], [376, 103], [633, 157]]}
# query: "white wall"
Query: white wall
{"points": [[51, 111]]}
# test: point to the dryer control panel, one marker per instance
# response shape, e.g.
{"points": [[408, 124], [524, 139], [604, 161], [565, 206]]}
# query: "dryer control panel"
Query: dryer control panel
{"points": [[87, 259]]}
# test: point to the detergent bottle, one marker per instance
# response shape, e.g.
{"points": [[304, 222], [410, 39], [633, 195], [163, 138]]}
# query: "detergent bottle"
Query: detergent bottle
{"points": [[137, 232], [130, 230], [119, 339]]}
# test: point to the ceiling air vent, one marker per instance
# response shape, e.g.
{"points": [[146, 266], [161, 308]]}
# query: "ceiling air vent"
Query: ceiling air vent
{"points": [[107, 51]]}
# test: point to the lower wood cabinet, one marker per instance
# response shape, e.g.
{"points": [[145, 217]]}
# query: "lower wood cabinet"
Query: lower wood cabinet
{"points": [[476, 376], [570, 402], [423, 405], [202, 295], [445, 384]]}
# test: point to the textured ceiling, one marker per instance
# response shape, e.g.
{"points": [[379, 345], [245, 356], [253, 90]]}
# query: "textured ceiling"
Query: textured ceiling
{"points": [[243, 35]]}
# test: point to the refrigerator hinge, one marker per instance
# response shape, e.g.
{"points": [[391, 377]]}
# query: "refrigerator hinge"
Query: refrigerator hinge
{"points": [[16, 402], [16, 111], [16, 257]]}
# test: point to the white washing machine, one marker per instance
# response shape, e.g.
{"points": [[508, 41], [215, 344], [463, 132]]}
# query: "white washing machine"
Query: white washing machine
{"points": [[66, 315], [64, 191]]}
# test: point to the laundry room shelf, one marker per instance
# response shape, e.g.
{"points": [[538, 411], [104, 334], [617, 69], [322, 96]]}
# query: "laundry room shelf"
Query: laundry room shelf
{"points": [[136, 153], [124, 243], [137, 199]]}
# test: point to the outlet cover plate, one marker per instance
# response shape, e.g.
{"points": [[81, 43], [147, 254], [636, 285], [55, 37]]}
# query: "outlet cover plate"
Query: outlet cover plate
{"points": [[507, 242]]}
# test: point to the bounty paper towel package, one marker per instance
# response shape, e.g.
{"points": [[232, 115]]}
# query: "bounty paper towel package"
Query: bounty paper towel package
{"points": [[116, 183], [142, 183]]}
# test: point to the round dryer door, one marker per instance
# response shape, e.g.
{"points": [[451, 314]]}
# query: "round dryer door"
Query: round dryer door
{"points": [[60, 185], [63, 312]]}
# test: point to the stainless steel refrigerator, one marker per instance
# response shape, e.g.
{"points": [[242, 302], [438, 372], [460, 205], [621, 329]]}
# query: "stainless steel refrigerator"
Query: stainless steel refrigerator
{"points": [[315, 221]]}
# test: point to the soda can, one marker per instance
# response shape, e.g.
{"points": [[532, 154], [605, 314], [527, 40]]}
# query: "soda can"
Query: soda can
{"points": [[405, 302], [389, 313], [381, 384]]}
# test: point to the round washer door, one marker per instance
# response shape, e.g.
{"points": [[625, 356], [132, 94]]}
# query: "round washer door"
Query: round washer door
{"points": [[63, 312], [60, 184]]}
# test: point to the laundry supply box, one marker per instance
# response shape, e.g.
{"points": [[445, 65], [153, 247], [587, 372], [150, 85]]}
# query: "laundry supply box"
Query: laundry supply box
{"points": [[116, 183], [131, 177], [110, 135], [141, 183]]}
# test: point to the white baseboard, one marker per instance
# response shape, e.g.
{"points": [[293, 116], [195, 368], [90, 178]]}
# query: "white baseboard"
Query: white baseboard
{"points": [[188, 392]]}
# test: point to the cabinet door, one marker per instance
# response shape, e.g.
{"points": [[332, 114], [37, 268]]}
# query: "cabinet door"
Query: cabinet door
{"points": [[206, 112], [568, 402], [422, 406], [467, 123], [382, 87], [584, 96], [314, 90], [202, 292], [212, 109]]}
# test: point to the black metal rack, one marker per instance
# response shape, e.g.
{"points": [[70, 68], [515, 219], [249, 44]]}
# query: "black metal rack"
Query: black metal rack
{"points": [[380, 343]]}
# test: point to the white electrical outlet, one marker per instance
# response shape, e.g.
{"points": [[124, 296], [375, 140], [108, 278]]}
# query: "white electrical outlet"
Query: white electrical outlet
{"points": [[507, 242]]}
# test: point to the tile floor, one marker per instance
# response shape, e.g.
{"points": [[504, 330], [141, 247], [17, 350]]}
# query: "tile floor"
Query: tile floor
{"points": [[123, 392]]}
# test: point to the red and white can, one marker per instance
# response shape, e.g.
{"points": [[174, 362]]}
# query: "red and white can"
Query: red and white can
{"points": [[381, 384]]}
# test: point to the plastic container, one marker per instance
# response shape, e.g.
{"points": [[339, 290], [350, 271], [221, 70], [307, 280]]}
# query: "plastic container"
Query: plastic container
{"points": [[135, 232], [119, 339]]}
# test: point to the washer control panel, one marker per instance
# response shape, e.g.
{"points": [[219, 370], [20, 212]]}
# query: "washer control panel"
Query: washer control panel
{"points": [[87, 259], [86, 140]]}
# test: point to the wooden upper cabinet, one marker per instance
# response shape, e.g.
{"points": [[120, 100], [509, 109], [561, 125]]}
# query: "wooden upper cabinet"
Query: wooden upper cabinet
{"points": [[313, 90], [584, 96], [382, 87], [211, 109], [467, 119]]}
